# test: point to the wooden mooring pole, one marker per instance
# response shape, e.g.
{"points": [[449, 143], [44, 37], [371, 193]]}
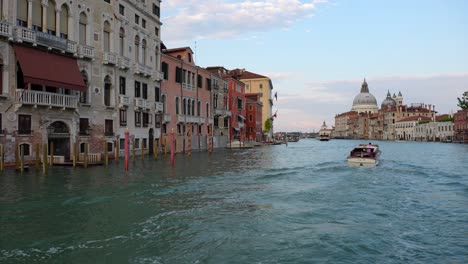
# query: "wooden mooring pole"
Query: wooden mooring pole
{"points": [[36, 162], [44, 159]]}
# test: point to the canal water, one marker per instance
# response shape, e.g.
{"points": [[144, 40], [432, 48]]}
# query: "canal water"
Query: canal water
{"points": [[299, 203]]}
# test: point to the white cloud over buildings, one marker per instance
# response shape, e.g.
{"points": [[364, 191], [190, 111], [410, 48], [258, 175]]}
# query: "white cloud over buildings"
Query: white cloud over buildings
{"points": [[191, 20]]}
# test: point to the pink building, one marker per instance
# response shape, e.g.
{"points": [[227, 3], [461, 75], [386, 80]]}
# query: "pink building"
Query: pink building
{"points": [[254, 117], [186, 94]]}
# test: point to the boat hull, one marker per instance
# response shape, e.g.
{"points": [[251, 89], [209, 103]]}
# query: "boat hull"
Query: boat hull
{"points": [[362, 161]]}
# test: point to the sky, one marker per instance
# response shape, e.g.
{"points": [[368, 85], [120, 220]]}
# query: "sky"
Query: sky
{"points": [[317, 53]]}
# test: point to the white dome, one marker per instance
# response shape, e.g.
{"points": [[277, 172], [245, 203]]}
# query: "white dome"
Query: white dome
{"points": [[365, 101]]}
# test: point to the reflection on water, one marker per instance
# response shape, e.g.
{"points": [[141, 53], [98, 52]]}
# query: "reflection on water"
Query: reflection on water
{"points": [[299, 203]]}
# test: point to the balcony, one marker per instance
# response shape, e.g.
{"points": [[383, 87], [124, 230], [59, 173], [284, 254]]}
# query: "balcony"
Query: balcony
{"points": [[124, 63], [189, 87], [166, 118], [124, 101], [158, 76], [23, 34], [85, 51], [202, 120], [142, 103], [158, 107], [110, 58], [143, 69], [6, 30], [26, 97]]}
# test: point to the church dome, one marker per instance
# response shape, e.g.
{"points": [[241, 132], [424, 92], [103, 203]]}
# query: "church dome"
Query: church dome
{"points": [[365, 101], [389, 101]]}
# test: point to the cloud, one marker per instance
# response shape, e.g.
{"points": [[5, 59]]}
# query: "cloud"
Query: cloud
{"points": [[191, 20]]}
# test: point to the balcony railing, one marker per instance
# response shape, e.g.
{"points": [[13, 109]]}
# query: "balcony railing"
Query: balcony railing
{"points": [[142, 103], [124, 62], [143, 69], [158, 76], [158, 107], [109, 133], [110, 58], [26, 97], [85, 51], [166, 118], [189, 87], [6, 30], [23, 34], [124, 100]]}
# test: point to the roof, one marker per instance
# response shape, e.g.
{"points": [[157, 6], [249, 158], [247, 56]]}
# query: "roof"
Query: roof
{"points": [[243, 74], [415, 118], [177, 49]]}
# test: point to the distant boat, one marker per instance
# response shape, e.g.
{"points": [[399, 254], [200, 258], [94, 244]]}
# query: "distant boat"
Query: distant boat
{"points": [[324, 137], [364, 155], [293, 139]]}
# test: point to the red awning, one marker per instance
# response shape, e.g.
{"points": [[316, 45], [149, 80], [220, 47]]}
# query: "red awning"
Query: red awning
{"points": [[40, 67]]}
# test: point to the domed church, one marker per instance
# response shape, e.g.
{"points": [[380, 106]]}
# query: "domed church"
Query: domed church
{"points": [[388, 102], [365, 102]]}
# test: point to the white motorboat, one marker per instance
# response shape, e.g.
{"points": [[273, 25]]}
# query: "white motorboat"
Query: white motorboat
{"points": [[364, 155]]}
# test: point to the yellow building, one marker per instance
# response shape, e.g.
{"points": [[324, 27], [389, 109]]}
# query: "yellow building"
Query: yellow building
{"points": [[256, 83]]}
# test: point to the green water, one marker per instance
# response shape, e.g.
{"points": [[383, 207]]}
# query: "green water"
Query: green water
{"points": [[299, 203]]}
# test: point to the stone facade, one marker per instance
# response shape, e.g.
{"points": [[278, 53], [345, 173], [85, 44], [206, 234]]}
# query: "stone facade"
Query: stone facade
{"points": [[117, 49]]}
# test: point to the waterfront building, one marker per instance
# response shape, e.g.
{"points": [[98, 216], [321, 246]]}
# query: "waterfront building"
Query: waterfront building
{"points": [[406, 128], [262, 85], [236, 102], [221, 113], [254, 117], [460, 119], [79, 72], [186, 90], [342, 129], [325, 131], [364, 102]]}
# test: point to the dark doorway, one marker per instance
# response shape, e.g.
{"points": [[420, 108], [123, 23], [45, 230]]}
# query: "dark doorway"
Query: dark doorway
{"points": [[151, 141]]}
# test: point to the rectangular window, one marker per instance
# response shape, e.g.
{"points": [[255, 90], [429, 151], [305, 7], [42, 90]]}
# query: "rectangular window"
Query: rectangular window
{"points": [[157, 120], [165, 70], [216, 122], [123, 117], [239, 103], [84, 127], [208, 84], [143, 23], [122, 85], [137, 89], [156, 31], [122, 10], [145, 119], [137, 19], [107, 1], [178, 77], [1, 128], [24, 124], [138, 119], [109, 128], [250, 118], [122, 143], [137, 143], [226, 122], [199, 81], [145, 90], [156, 10], [157, 94]]}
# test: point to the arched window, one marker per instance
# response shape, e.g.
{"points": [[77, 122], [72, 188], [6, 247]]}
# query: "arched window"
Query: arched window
{"points": [[121, 41], [82, 28], [106, 36], [84, 95], [64, 21], [22, 13], [177, 105], [143, 51], [36, 15], [107, 91], [51, 19], [26, 149], [137, 49]]}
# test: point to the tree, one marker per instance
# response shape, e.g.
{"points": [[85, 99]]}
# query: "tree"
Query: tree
{"points": [[463, 102], [267, 126]]}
